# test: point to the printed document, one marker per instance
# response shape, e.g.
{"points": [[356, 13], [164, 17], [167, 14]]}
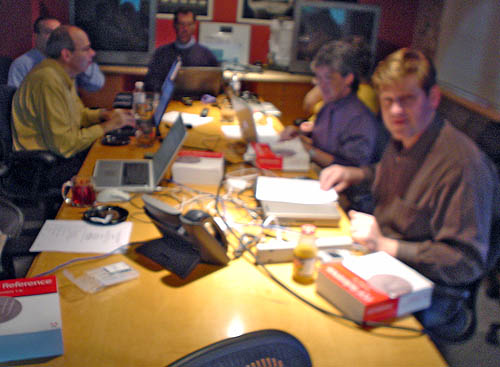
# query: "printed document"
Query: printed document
{"points": [[82, 237]]}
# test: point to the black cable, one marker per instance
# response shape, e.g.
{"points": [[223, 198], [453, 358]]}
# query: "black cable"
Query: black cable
{"points": [[247, 241], [242, 247], [245, 247]]}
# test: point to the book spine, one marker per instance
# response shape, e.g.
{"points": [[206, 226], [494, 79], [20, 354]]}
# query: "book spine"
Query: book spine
{"points": [[28, 286], [377, 305]]}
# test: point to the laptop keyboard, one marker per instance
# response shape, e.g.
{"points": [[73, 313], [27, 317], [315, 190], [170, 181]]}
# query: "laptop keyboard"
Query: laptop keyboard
{"points": [[135, 173]]}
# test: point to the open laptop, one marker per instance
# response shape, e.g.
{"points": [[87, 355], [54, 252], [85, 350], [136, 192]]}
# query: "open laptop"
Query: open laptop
{"points": [[141, 175], [250, 132], [195, 81], [124, 100], [245, 118]]}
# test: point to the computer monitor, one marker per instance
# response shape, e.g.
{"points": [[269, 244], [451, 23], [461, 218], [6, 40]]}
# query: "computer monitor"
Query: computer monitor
{"points": [[121, 31], [318, 22]]}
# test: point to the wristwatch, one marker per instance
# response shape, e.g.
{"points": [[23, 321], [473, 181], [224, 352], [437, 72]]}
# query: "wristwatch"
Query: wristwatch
{"points": [[312, 152]]}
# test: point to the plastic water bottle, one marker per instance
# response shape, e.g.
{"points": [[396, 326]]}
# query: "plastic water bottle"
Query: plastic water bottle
{"points": [[236, 84], [138, 99], [304, 255]]}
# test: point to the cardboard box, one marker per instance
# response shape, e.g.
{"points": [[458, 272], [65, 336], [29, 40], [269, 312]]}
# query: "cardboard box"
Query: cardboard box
{"points": [[288, 155], [374, 287], [198, 167], [30, 319]]}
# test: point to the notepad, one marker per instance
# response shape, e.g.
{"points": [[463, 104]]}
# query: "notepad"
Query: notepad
{"points": [[82, 237]]}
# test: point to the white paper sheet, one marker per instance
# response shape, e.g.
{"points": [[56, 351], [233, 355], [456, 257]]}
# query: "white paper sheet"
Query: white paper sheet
{"points": [[188, 118], [265, 133], [293, 190], [82, 237]]}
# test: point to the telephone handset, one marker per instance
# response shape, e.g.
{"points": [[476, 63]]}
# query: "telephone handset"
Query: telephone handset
{"points": [[206, 236], [187, 239]]}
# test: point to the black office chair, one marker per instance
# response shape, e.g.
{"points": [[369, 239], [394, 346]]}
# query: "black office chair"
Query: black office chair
{"points": [[5, 62], [466, 300], [22, 172], [21, 177], [11, 224], [263, 348]]}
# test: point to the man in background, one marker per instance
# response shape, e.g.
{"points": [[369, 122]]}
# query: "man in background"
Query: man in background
{"points": [[185, 46], [91, 79], [47, 113], [437, 196]]}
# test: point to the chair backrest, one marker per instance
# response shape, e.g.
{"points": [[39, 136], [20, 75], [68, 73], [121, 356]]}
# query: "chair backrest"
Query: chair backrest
{"points": [[11, 218], [263, 348], [6, 95], [5, 62]]}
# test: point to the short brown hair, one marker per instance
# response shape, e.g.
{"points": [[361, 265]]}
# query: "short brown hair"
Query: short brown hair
{"points": [[342, 57], [183, 10], [402, 63]]}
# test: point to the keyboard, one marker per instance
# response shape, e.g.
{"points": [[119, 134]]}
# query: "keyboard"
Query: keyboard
{"points": [[135, 173], [123, 132]]}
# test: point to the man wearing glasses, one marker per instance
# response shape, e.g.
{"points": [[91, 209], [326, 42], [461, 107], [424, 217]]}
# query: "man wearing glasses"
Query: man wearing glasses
{"points": [[185, 46], [47, 113]]}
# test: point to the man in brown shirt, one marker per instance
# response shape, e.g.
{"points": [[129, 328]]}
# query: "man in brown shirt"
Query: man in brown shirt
{"points": [[437, 195]]}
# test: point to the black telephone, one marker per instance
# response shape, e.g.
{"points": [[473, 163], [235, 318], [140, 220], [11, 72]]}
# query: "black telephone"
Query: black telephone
{"points": [[207, 236], [187, 239]]}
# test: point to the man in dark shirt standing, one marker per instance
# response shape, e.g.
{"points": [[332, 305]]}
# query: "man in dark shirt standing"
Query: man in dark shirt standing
{"points": [[185, 46], [437, 195]]}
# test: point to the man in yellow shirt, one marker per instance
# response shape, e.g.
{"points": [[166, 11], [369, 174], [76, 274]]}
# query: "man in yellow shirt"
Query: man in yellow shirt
{"points": [[47, 112]]}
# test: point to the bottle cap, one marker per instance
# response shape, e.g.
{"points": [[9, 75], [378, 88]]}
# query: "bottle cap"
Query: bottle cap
{"points": [[139, 84], [308, 229]]}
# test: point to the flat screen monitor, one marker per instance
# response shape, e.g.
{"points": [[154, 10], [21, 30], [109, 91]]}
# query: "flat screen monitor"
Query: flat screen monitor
{"points": [[120, 31], [318, 22]]}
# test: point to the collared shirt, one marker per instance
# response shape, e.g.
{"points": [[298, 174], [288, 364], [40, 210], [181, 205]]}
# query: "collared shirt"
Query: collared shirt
{"points": [[47, 113], [347, 130], [91, 80], [439, 199]]}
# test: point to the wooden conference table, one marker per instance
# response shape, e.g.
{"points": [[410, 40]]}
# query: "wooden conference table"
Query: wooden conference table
{"points": [[157, 318]]}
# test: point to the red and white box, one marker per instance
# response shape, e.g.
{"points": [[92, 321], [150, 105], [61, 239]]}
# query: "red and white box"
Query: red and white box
{"points": [[30, 319], [374, 287], [288, 155], [198, 167]]}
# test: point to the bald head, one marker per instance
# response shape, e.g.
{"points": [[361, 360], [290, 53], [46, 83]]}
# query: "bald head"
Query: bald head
{"points": [[70, 45]]}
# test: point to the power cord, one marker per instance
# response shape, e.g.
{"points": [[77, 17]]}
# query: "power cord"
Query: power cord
{"points": [[247, 241]]}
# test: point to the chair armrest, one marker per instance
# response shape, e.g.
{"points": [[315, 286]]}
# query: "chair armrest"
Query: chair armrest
{"points": [[40, 156]]}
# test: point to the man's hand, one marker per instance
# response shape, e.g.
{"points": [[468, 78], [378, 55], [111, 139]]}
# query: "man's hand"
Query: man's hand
{"points": [[306, 127], [340, 177], [289, 132], [116, 119], [366, 231]]}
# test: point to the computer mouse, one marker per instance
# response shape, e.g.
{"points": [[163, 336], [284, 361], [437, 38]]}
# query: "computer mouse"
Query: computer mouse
{"points": [[112, 195]]}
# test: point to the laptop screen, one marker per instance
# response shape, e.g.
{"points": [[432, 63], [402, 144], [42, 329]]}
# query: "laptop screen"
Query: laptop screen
{"points": [[169, 148], [167, 90], [245, 118], [194, 81]]}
